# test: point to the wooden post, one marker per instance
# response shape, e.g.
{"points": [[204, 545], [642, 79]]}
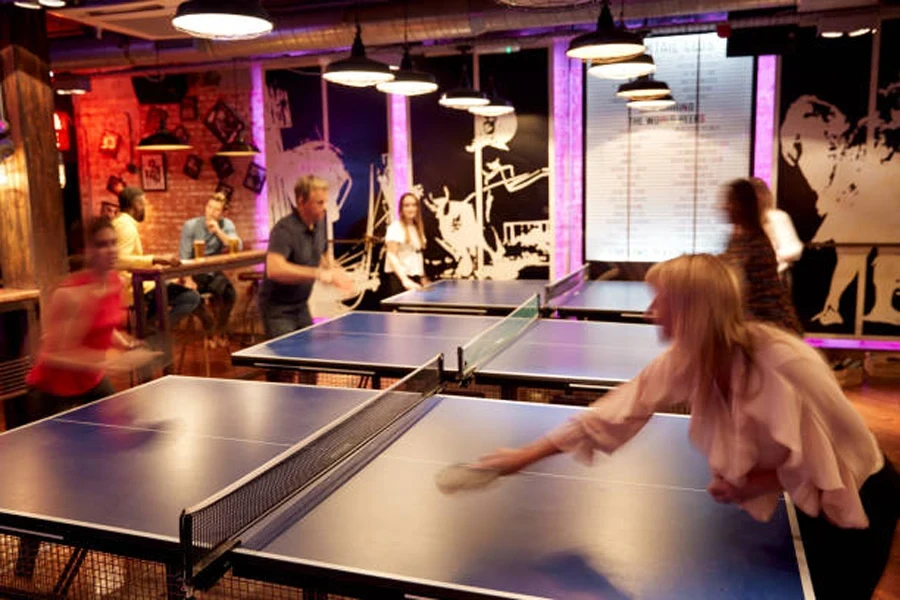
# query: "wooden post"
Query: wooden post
{"points": [[32, 228]]}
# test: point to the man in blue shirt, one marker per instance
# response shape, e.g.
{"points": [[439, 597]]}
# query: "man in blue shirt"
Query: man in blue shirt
{"points": [[217, 233], [296, 259]]}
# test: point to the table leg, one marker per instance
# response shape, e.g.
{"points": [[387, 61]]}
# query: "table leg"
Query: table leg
{"points": [[140, 307], [162, 318]]}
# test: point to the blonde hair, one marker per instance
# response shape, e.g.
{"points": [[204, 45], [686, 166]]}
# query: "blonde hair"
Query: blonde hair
{"points": [[701, 295], [220, 198], [306, 185], [417, 222]]}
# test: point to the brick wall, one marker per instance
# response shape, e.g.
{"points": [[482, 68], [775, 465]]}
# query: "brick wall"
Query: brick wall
{"points": [[106, 109]]}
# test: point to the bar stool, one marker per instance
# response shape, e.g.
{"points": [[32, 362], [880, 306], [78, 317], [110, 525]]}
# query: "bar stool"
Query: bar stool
{"points": [[192, 333], [250, 319]]}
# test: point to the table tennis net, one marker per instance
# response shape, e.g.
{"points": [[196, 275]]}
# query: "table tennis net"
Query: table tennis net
{"points": [[565, 285], [211, 528], [497, 337]]}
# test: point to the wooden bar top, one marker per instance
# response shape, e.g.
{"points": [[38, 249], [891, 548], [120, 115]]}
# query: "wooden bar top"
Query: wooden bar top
{"points": [[217, 262], [14, 295]]}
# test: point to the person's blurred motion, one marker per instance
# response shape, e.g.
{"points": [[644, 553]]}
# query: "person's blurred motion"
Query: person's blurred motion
{"points": [[779, 228], [751, 253], [81, 341]]}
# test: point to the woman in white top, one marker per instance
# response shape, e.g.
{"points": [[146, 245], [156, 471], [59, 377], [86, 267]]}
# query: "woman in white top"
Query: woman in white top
{"points": [[404, 265], [778, 227], [768, 414]]}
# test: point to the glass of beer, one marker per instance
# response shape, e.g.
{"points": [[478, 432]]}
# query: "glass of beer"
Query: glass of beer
{"points": [[199, 249], [232, 245]]}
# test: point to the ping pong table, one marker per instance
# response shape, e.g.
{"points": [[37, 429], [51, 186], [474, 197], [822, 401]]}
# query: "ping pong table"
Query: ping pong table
{"points": [[574, 295], [366, 519], [545, 353]]}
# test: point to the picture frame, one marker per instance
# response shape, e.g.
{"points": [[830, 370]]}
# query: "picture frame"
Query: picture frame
{"points": [[223, 122], [153, 171], [182, 134], [255, 178], [188, 109], [110, 142], [222, 166], [226, 190], [115, 185], [193, 164]]}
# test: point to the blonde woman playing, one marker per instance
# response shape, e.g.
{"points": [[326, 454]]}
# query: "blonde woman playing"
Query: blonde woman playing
{"points": [[404, 265], [768, 414]]}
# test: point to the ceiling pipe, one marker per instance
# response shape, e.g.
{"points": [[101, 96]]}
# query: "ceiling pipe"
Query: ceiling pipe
{"points": [[325, 32]]}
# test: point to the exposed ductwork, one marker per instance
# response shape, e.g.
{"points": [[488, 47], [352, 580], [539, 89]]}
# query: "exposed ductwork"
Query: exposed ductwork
{"points": [[429, 21]]}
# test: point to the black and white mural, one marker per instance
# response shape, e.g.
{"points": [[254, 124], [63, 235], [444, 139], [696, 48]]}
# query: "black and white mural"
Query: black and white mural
{"points": [[839, 178], [484, 181]]}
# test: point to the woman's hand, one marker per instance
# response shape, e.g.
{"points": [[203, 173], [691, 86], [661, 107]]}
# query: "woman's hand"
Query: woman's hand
{"points": [[505, 461], [723, 492]]}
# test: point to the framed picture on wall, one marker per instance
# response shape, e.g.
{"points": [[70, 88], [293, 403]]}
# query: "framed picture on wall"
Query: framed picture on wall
{"points": [[153, 171], [227, 190], [188, 111], [222, 166], [114, 185], [192, 166], [255, 178], [182, 134], [109, 144], [223, 122]]}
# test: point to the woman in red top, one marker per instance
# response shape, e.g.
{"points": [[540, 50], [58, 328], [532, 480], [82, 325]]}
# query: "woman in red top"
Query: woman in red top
{"points": [[83, 317]]}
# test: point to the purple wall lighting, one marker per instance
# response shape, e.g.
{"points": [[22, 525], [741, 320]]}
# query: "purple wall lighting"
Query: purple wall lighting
{"points": [[258, 127], [567, 162], [764, 136], [401, 168]]}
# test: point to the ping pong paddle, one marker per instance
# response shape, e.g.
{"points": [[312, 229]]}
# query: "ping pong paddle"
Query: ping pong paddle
{"points": [[464, 477]]}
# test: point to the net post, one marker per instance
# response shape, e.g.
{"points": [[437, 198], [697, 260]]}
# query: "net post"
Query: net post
{"points": [[186, 535]]}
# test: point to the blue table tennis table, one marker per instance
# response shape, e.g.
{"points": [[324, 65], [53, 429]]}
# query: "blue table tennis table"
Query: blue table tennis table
{"points": [[572, 296], [548, 353], [124, 475]]}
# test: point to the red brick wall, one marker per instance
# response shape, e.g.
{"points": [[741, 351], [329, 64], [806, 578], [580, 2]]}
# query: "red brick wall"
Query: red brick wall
{"points": [[105, 110]]}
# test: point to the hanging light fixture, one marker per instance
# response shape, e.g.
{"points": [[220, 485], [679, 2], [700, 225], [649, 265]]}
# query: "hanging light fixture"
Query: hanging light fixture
{"points": [[32, 4], [222, 19], [407, 81], [357, 70], [237, 147], [465, 96], [496, 107], [52, 3], [163, 140], [628, 68], [607, 42], [643, 88], [661, 103]]}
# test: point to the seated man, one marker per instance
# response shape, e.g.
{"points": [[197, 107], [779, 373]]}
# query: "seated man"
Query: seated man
{"points": [[217, 233], [182, 301]]}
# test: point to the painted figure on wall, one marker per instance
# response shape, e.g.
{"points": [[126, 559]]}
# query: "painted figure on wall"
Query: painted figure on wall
{"points": [[853, 169], [476, 245]]}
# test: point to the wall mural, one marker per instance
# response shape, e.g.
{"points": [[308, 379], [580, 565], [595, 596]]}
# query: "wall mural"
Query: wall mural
{"points": [[840, 181], [498, 227]]}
